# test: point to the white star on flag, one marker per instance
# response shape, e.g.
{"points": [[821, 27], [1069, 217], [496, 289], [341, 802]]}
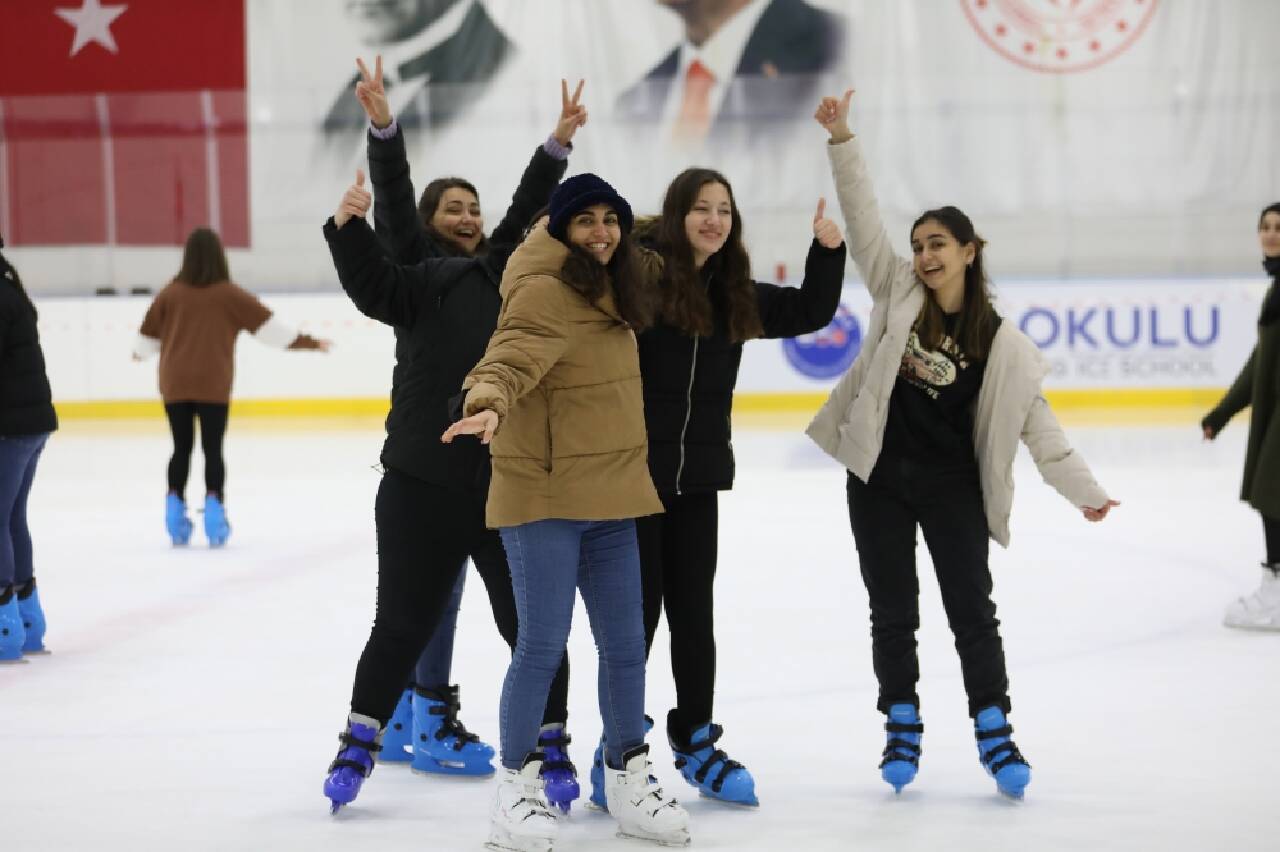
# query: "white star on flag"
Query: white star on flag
{"points": [[93, 23]]}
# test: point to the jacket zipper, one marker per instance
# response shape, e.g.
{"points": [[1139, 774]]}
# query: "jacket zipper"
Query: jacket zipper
{"points": [[688, 412]]}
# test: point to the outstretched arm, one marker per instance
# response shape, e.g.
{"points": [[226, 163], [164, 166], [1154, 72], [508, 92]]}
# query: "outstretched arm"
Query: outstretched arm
{"points": [[1062, 466], [1236, 398], [869, 244], [788, 311]]}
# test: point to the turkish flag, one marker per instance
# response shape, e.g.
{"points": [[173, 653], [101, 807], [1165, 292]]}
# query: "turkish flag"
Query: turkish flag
{"points": [[123, 122]]}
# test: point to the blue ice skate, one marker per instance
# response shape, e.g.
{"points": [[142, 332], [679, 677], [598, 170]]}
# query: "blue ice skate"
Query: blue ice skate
{"points": [[397, 739], [33, 623], [710, 769], [216, 528], [441, 744], [12, 634], [902, 751], [360, 742], [176, 520], [558, 771], [999, 756], [597, 799]]}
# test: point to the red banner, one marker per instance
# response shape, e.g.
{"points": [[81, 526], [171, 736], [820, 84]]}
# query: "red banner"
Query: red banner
{"points": [[123, 123]]}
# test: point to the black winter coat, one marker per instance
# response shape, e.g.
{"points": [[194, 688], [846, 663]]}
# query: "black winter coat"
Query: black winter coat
{"points": [[26, 403], [443, 309], [689, 381]]}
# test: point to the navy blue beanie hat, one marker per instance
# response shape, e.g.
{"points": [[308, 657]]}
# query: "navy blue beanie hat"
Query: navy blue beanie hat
{"points": [[577, 194]]}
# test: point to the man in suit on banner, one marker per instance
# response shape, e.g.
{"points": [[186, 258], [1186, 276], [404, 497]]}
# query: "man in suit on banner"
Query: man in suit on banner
{"points": [[743, 68]]}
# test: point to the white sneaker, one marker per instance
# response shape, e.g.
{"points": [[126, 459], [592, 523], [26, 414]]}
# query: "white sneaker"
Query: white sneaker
{"points": [[520, 819], [637, 802], [1260, 610]]}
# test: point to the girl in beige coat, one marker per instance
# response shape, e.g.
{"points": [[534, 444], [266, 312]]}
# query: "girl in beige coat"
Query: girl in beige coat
{"points": [[927, 421], [558, 394]]}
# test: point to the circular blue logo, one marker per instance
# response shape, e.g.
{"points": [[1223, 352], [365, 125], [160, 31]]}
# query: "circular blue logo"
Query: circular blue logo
{"points": [[828, 352]]}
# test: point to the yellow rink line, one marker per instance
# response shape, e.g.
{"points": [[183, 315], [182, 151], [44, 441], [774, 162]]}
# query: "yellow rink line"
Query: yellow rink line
{"points": [[1121, 406]]}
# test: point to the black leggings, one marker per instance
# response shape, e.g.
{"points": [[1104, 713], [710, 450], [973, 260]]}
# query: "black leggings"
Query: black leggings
{"points": [[425, 534], [213, 426], [678, 572], [1271, 528]]}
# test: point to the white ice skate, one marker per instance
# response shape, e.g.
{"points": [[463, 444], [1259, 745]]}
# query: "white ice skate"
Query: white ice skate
{"points": [[637, 802], [1260, 610], [520, 819]]}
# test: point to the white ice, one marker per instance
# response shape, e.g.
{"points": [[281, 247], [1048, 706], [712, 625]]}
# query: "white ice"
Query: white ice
{"points": [[193, 696]]}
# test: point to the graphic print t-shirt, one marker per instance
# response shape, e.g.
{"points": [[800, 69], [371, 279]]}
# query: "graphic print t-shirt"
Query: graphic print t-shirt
{"points": [[931, 409]]}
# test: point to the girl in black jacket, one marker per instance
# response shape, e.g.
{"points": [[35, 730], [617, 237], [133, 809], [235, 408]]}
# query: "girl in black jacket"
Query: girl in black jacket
{"points": [[430, 506], [26, 420], [689, 362]]}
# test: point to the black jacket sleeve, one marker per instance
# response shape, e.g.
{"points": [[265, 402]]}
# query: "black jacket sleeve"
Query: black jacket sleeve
{"points": [[385, 291], [1237, 397], [536, 185], [789, 311], [395, 209]]}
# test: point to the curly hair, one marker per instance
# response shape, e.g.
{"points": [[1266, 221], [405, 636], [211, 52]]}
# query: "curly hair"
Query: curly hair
{"points": [[686, 300]]}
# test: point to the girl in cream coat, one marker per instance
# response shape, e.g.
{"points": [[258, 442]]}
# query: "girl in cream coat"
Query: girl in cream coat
{"points": [[927, 421]]}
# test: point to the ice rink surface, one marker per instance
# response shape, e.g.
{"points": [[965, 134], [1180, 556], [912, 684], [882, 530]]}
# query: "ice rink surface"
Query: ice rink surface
{"points": [[193, 696]]}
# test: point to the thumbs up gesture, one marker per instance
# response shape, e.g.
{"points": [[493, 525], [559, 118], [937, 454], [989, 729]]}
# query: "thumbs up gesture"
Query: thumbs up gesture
{"points": [[826, 232], [355, 202]]}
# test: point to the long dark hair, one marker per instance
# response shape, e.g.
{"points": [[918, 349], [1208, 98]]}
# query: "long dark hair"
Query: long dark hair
{"points": [[686, 303], [636, 298], [203, 260], [429, 202], [977, 326]]}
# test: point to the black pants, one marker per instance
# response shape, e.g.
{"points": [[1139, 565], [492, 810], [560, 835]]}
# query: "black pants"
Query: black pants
{"points": [[213, 426], [425, 534], [1271, 529], [678, 570], [947, 507]]}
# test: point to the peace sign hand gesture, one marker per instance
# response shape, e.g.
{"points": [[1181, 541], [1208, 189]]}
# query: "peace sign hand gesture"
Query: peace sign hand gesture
{"points": [[833, 114], [572, 114], [826, 232], [372, 95]]}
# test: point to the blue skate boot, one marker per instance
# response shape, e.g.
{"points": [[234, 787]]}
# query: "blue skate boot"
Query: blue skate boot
{"points": [[999, 756], [12, 635], [902, 751], [216, 528], [558, 771], [361, 741], [32, 617], [176, 520], [441, 744], [397, 737], [708, 768], [597, 799]]}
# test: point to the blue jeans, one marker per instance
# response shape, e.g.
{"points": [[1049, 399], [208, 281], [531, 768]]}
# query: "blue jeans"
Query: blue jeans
{"points": [[548, 560], [436, 662], [18, 457]]}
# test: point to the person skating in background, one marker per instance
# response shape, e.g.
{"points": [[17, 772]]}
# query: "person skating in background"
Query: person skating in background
{"points": [[927, 422], [559, 393], [689, 362], [192, 324], [443, 321], [27, 419], [1258, 387]]}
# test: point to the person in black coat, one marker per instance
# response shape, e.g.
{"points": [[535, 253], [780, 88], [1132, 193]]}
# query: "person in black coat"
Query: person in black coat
{"points": [[443, 302], [689, 364], [26, 420]]}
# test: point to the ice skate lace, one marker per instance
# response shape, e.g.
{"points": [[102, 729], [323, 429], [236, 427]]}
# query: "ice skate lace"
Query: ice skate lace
{"points": [[727, 766], [554, 748], [642, 785], [898, 749], [533, 800], [992, 756]]}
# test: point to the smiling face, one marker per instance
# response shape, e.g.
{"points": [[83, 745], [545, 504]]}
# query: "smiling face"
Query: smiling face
{"points": [[458, 218], [940, 260], [596, 230], [1269, 234], [708, 222]]}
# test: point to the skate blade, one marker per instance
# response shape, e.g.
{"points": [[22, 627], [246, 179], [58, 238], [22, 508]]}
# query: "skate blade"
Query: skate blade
{"points": [[459, 771], [334, 807], [1253, 628], [674, 839], [501, 841], [39, 652], [16, 661]]}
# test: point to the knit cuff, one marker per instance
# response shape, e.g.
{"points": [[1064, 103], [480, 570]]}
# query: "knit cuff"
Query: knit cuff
{"points": [[554, 149], [385, 133]]}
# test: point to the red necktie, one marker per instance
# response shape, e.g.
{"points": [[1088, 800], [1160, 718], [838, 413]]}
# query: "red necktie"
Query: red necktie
{"points": [[695, 109]]}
